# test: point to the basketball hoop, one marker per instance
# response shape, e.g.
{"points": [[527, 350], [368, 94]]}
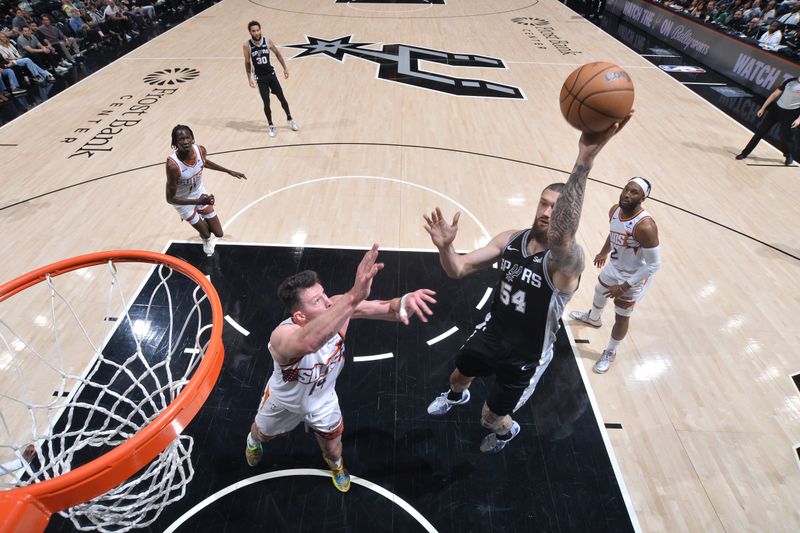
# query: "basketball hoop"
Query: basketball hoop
{"points": [[128, 407]]}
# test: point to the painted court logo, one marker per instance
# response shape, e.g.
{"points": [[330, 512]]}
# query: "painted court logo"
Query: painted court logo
{"points": [[399, 63], [171, 76]]}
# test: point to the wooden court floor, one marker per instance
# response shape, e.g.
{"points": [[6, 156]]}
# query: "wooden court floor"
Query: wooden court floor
{"points": [[702, 386]]}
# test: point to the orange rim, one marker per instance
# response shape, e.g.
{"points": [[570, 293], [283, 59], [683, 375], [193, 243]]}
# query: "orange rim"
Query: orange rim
{"points": [[29, 508]]}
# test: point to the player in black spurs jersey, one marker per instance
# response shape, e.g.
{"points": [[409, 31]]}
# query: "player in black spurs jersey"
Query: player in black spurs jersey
{"points": [[260, 71], [539, 272]]}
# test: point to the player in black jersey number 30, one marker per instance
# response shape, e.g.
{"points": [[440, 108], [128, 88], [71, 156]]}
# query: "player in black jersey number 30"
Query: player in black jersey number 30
{"points": [[539, 272], [261, 72]]}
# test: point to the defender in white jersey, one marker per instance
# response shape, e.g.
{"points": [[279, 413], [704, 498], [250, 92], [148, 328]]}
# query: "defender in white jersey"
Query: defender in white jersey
{"points": [[635, 258], [185, 189], [308, 352]]}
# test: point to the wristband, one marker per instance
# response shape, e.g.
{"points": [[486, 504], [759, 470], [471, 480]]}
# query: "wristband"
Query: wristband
{"points": [[403, 313]]}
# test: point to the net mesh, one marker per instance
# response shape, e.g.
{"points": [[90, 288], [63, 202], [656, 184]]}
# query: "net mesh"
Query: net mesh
{"points": [[87, 375]]}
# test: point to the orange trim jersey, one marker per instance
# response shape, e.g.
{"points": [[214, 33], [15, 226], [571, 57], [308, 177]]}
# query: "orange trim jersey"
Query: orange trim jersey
{"points": [[308, 383], [626, 251], [190, 182]]}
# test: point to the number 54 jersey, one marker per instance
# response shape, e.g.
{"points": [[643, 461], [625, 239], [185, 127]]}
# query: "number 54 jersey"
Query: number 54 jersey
{"points": [[308, 383], [526, 306]]}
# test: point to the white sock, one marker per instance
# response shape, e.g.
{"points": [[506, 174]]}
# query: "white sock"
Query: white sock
{"points": [[335, 464], [251, 442], [612, 344]]}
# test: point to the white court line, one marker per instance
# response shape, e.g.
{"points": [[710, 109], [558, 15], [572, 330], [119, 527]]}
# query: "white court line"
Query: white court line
{"points": [[575, 64], [321, 246], [626, 496], [238, 327], [300, 472], [700, 83], [361, 358], [377, 178], [403, 11], [485, 297], [442, 336], [187, 58], [191, 350]]}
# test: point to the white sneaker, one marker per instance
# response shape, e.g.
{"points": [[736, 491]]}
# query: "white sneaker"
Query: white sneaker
{"points": [[294, 125], [441, 404], [604, 363], [209, 244], [585, 318], [271, 131], [491, 444]]}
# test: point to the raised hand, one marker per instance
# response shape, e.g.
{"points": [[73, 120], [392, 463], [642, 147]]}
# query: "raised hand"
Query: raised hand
{"points": [[416, 303], [367, 269], [442, 234], [590, 144]]}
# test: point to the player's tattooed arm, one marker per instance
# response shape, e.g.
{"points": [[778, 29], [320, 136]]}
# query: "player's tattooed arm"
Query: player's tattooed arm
{"points": [[566, 256]]}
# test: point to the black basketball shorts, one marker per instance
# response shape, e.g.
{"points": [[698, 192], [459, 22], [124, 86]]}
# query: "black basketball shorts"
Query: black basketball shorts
{"points": [[483, 355]]}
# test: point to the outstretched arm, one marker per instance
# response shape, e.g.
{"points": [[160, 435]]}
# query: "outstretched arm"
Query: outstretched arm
{"points": [[456, 265], [566, 259], [291, 342], [213, 166], [398, 309]]}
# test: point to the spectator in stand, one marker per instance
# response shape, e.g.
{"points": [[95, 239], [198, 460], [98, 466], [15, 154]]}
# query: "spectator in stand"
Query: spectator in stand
{"points": [[772, 38], [723, 18], [32, 48], [770, 13], [118, 21], [11, 55], [66, 46], [7, 72], [753, 28], [737, 22], [793, 17], [21, 20], [753, 11], [82, 29], [26, 7]]}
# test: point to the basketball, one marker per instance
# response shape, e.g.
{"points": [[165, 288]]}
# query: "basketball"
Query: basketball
{"points": [[596, 95]]}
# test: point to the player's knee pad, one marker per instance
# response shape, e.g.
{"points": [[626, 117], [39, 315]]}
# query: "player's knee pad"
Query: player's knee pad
{"points": [[493, 422], [624, 308]]}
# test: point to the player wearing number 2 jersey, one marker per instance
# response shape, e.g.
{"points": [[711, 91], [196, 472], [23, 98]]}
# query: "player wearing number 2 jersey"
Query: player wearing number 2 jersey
{"points": [[635, 258], [308, 351], [539, 271]]}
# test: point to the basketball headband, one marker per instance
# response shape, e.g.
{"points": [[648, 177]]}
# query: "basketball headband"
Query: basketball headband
{"points": [[641, 183]]}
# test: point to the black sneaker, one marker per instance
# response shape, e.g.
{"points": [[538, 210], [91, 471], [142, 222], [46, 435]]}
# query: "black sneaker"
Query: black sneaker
{"points": [[18, 91], [741, 156], [789, 160]]}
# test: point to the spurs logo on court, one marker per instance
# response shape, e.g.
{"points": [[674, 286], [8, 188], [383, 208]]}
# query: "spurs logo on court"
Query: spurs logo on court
{"points": [[400, 63], [171, 76]]}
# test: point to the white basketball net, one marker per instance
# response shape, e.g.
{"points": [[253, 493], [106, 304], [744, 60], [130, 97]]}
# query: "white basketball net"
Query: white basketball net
{"points": [[112, 372]]}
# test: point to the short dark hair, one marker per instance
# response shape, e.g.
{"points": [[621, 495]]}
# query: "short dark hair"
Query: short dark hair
{"points": [[289, 289], [175, 131], [555, 187], [253, 23]]}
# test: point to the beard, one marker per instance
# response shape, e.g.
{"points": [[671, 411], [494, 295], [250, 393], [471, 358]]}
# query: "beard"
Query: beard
{"points": [[540, 232]]}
